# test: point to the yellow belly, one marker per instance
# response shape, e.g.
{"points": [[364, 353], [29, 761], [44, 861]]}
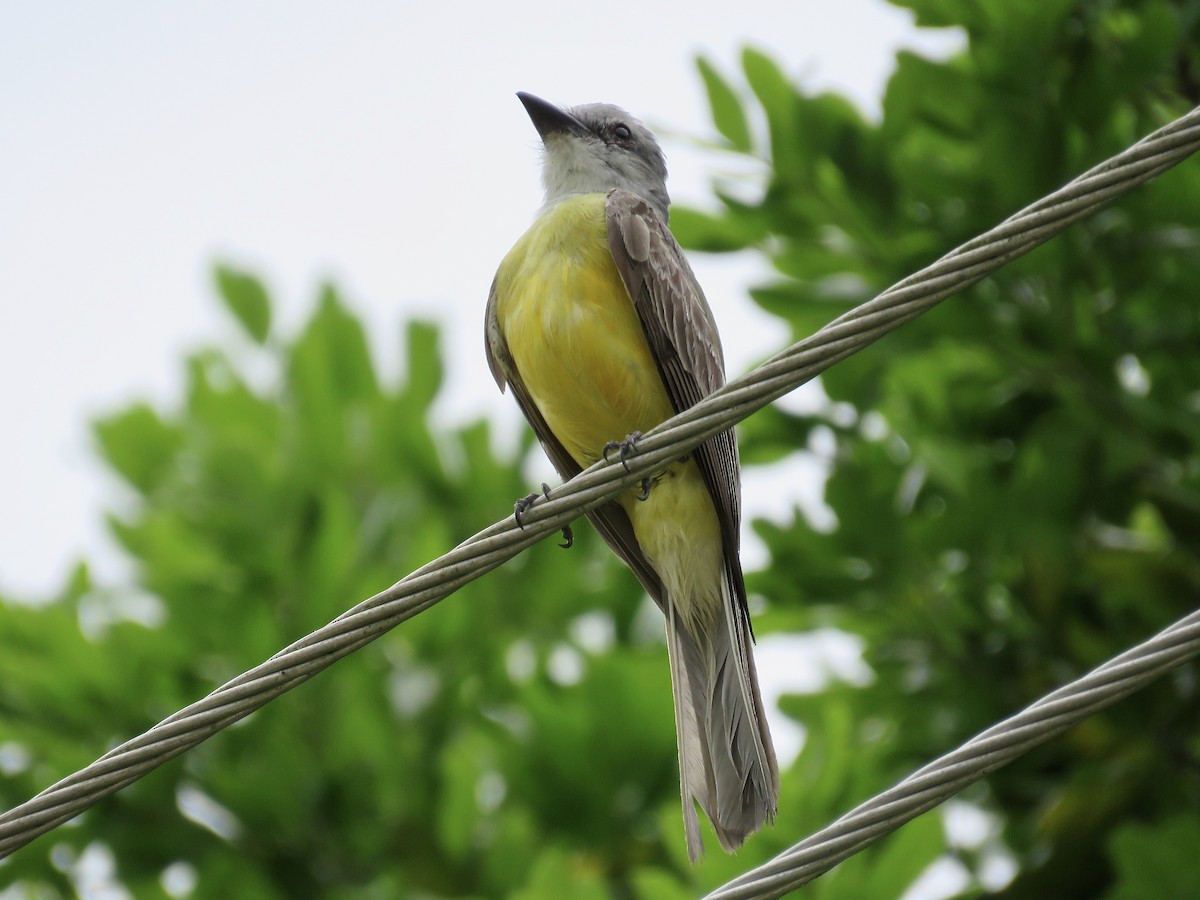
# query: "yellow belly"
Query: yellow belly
{"points": [[579, 348], [573, 332]]}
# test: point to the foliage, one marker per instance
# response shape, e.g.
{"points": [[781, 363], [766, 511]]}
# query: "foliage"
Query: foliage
{"points": [[472, 752], [1017, 485], [1015, 479]]}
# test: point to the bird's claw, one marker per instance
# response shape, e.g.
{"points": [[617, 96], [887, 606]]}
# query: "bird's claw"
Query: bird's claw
{"points": [[520, 506], [525, 502], [646, 485], [627, 448]]}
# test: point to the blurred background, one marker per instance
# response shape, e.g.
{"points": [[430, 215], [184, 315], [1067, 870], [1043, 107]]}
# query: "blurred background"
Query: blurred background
{"points": [[375, 146], [245, 252]]}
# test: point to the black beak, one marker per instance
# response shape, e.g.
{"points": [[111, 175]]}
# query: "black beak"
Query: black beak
{"points": [[549, 119]]}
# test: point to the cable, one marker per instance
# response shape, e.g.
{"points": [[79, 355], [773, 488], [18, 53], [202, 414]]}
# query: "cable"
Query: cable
{"points": [[489, 548], [983, 754]]}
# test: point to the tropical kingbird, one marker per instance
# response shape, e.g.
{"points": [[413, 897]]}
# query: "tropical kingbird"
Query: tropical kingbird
{"points": [[597, 323]]}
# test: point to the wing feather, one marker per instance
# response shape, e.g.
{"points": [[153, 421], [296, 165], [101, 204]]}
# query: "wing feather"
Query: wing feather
{"points": [[682, 333]]}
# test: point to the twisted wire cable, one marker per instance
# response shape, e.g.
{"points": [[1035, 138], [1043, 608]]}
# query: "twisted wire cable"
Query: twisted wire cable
{"points": [[983, 754], [491, 547]]}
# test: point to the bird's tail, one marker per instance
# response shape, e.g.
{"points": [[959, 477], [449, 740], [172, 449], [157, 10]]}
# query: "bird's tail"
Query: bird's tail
{"points": [[726, 759]]}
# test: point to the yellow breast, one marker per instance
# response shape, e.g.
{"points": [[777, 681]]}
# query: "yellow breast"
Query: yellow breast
{"points": [[573, 332], [579, 348]]}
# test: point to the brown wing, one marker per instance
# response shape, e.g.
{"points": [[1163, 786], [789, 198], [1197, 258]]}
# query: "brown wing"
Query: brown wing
{"points": [[610, 520], [682, 334]]}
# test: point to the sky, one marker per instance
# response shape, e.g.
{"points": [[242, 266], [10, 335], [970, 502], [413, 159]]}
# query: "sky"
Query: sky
{"points": [[375, 145]]}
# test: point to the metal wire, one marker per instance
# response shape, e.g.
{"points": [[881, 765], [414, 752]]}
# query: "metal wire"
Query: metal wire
{"points": [[983, 754], [500, 542]]}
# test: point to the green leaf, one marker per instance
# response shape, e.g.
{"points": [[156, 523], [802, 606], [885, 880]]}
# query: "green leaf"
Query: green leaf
{"points": [[139, 445], [727, 112], [424, 371], [777, 97], [1157, 860], [247, 299]]}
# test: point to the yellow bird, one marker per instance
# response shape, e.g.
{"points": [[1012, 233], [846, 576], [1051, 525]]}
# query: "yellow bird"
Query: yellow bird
{"points": [[597, 323]]}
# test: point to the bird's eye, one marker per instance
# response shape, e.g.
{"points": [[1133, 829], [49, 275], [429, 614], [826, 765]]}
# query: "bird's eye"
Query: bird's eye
{"points": [[621, 132]]}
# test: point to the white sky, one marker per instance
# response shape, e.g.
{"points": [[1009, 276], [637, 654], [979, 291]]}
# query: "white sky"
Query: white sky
{"points": [[375, 144]]}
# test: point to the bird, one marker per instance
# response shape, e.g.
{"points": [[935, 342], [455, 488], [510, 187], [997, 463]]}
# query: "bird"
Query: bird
{"points": [[596, 323]]}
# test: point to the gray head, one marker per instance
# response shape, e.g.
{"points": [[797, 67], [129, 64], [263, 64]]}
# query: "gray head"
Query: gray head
{"points": [[595, 148]]}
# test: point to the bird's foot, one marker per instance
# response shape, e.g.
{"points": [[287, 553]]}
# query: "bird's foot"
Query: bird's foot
{"points": [[627, 448], [646, 484], [525, 502]]}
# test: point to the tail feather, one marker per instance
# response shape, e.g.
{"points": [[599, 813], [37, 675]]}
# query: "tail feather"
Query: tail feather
{"points": [[726, 759], [695, 778]]}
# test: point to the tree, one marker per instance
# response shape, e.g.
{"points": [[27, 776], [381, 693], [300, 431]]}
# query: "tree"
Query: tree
{"points": [[1014, 480], [472, 753], [1016, 494]]}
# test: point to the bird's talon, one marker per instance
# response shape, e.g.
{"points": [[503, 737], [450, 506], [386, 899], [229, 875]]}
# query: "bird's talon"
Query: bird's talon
{"points": [[524, 503], [520, 506], [646, 485], [627, 448], [568, 535]]}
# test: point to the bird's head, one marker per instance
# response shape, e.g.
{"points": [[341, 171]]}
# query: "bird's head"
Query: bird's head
{"points": [[595, 148]]}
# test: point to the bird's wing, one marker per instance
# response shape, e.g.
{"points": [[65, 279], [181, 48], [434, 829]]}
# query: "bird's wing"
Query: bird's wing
{"points": [[610, 520], [682, 334]]}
